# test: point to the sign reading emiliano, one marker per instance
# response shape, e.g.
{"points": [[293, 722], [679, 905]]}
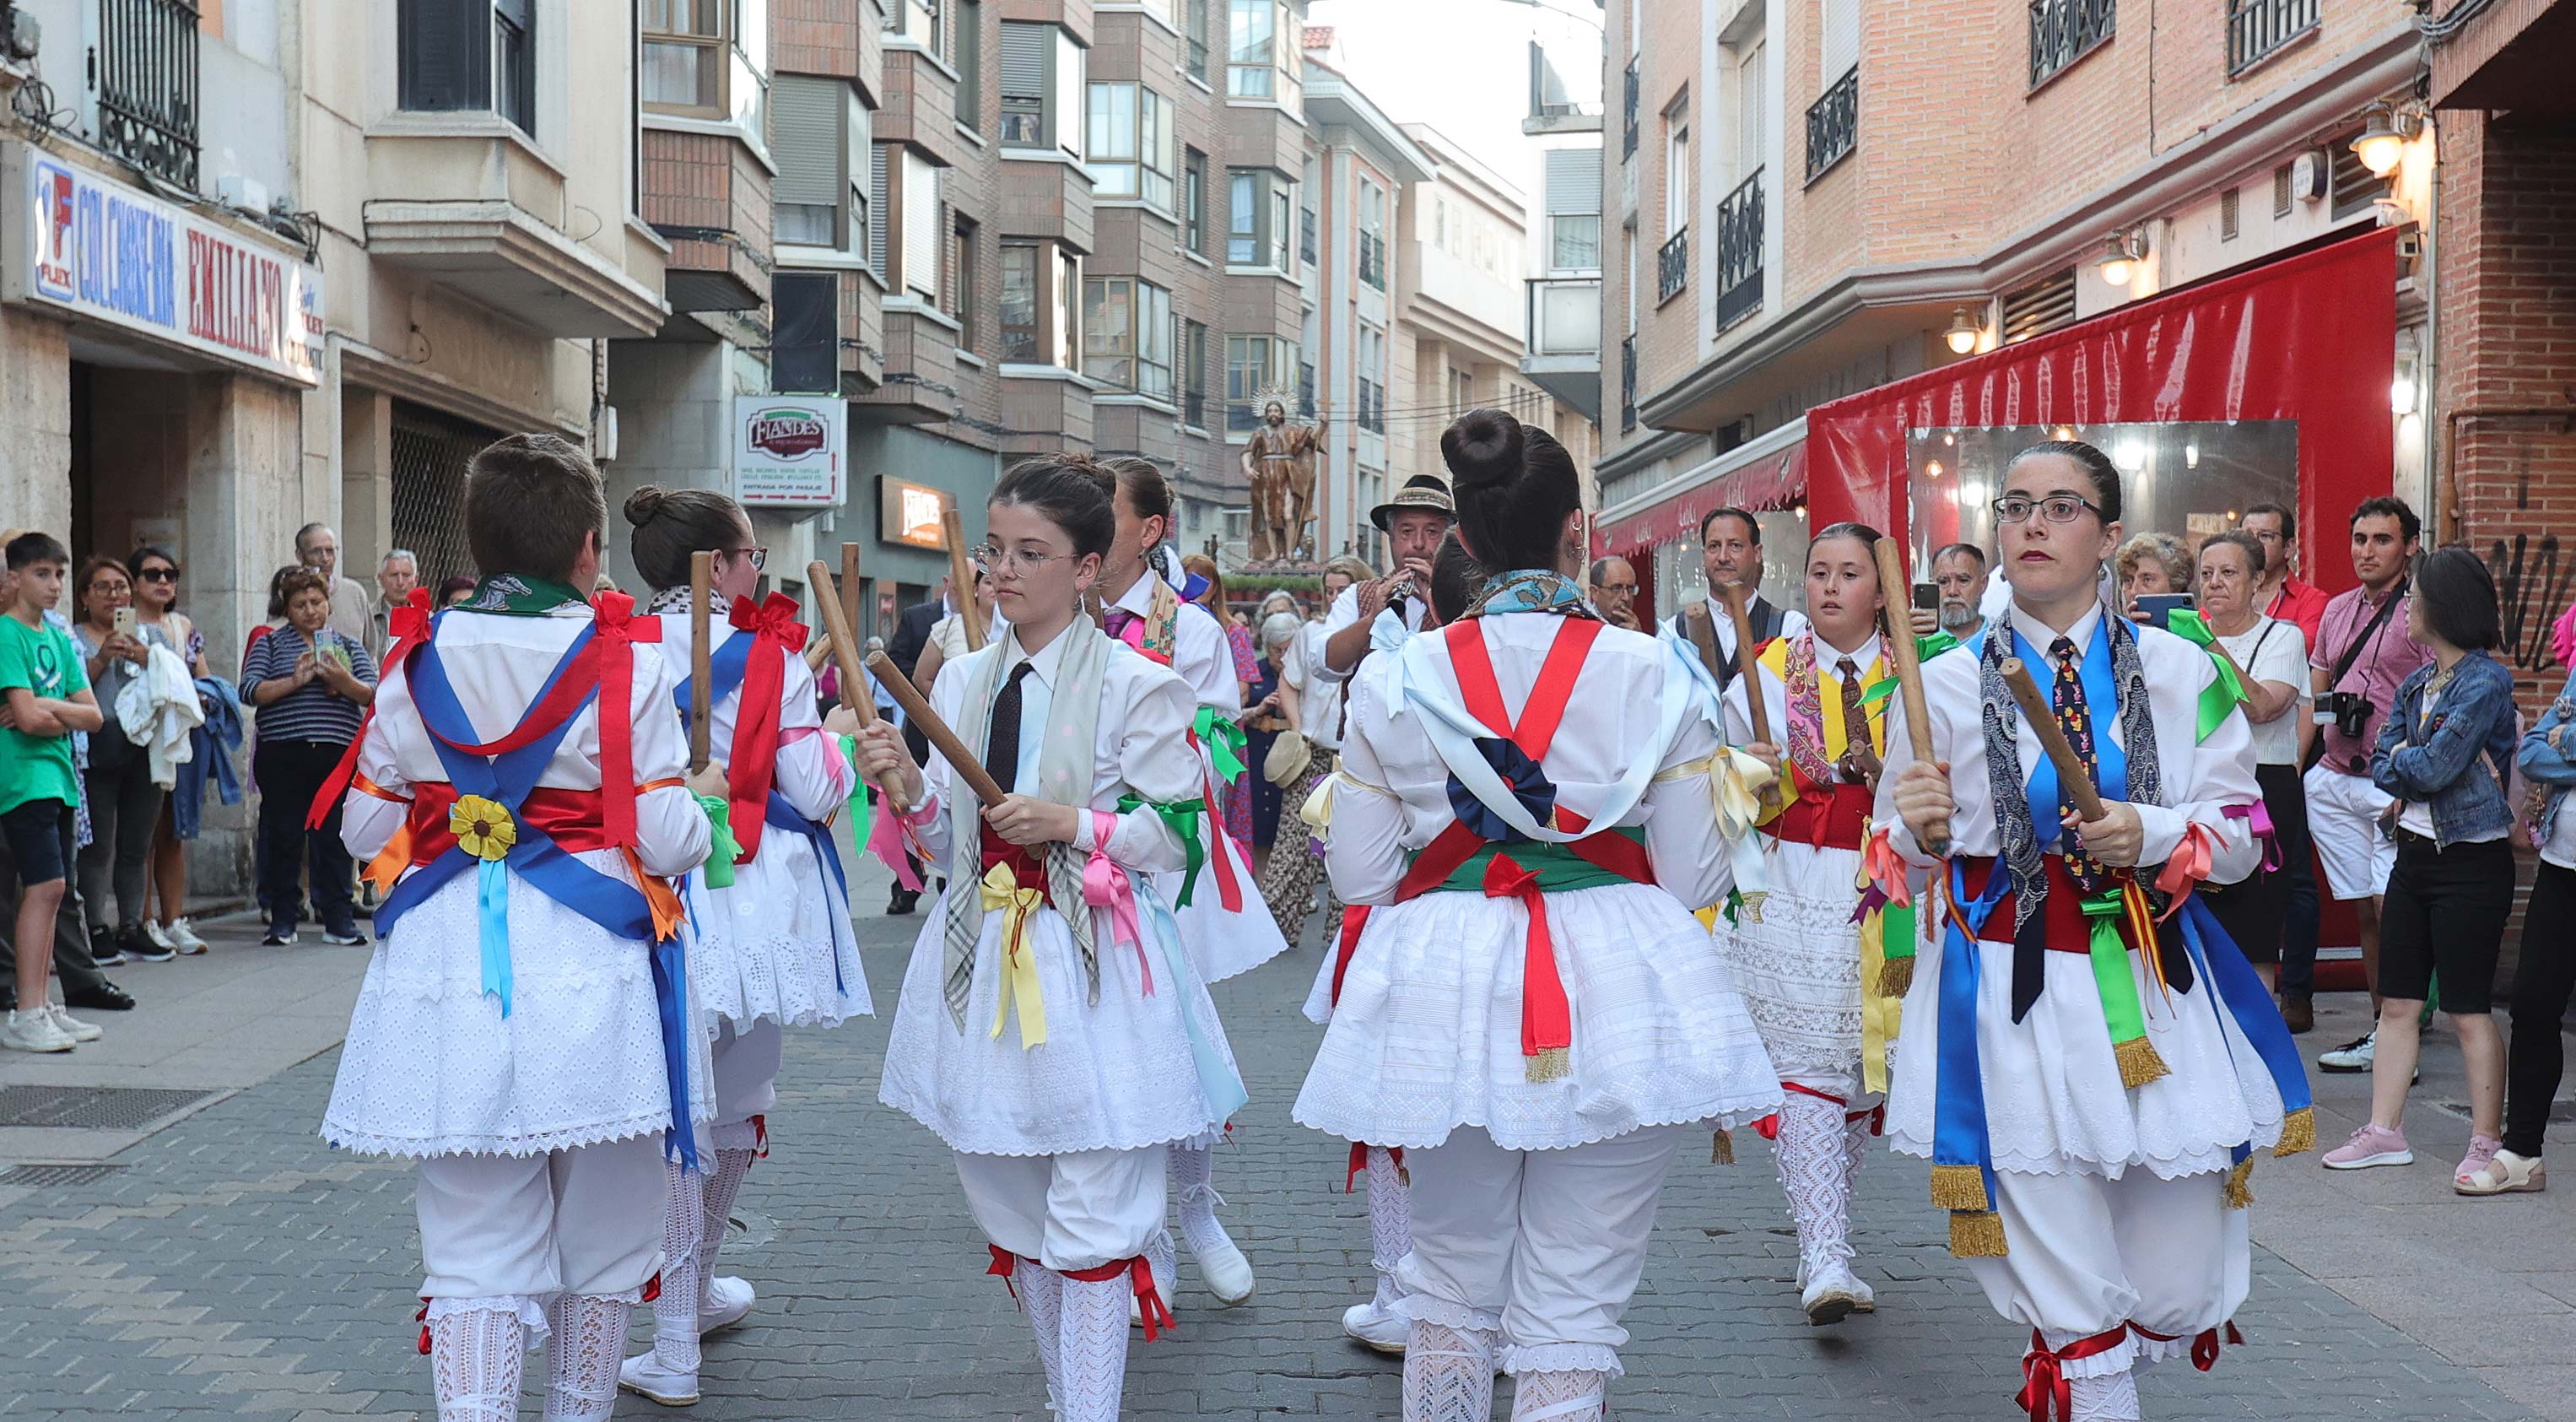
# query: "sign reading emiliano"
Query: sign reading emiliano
{"points": [[91, 246], [789, 451]]}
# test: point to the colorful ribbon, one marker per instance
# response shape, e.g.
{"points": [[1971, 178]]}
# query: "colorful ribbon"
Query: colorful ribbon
{"points": [[615, 629], [2108, 950], [1225, 742], [1547, 1024], [1219, 1082], [408, 625], [1884, 877], [1001, 890], [2258, 820], [2188, 866], [752, 763], [1182, 818], [485, 830], [2043, 1377], [874, 824], [1105, 886], [2225, 693], [722, 851]]}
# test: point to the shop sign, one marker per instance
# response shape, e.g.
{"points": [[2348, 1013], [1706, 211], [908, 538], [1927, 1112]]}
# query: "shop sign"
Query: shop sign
{"points": [[910, 514], [114, 254], [789, 450]]}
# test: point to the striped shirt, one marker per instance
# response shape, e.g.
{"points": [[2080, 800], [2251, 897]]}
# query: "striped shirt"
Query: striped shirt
{"points": [[312, 712]]}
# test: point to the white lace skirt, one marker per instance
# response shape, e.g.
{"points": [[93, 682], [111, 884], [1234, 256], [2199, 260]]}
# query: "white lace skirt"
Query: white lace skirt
{"points": [[1224, 944], [1118, 1074], [1799, 968], [1427, 1037], [2054, 1102], [777, 944], [431, 1067]]}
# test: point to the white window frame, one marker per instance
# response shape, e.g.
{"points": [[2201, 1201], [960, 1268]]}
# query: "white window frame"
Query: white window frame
{"points": [[1134, 155]]}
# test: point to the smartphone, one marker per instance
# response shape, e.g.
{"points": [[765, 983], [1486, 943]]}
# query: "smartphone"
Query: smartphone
{"points": [[2160, 607], [1927, 597], [124, 621]]}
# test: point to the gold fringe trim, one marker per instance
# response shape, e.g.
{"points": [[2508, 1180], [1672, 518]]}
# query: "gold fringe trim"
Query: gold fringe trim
{"points": [[1976, 1234], [1959, 1187], [2139, 1063], [1896, 977], [1750, 905], [1721, 1148], [2239, 1193], [2298, 1132], [1549, 1065]]}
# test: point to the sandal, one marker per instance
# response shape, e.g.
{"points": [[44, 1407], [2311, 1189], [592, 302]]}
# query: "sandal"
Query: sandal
{"points": [[2506, 1174]]}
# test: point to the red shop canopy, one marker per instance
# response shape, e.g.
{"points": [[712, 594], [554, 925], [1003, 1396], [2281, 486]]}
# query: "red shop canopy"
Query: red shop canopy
{"points": [[2311, 338], [1769, 481]]}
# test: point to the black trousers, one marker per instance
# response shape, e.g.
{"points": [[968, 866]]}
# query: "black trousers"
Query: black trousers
{"points": [[2541, 982], [290, 774], [2252, 910]]}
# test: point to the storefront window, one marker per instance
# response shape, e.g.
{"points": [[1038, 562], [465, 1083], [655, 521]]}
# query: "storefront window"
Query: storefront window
{"points": [[1681, 576]]}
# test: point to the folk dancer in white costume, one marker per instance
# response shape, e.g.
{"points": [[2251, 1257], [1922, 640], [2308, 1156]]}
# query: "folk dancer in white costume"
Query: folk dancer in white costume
{"points": [[1526, 800], [1053, 1031], [511, 1033], [770, 943], [2087, 1059]]}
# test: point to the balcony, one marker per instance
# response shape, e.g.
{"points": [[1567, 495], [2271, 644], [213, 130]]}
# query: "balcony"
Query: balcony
{"points": [[2258, 29], [1564, 355], [1672, 267], [1739, 252], [2064, 31], [1628, 385], [145, 66], [1833, 124]]}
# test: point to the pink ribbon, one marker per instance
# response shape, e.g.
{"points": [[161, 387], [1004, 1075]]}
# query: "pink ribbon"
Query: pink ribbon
{"points": [[2258, 818], [1106, 886], [2188, 866], [886, 842]]}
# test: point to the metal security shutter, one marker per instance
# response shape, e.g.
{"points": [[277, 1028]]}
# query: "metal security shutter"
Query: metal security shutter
{"points": [[805, 131], [880, 235], [1024, 59], [1574, 180], [445, 54], [805, 352], [430, 452], [921, 234], [1842, 39]]}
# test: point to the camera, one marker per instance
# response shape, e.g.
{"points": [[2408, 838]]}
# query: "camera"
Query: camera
{"points": [[2349, 711]]}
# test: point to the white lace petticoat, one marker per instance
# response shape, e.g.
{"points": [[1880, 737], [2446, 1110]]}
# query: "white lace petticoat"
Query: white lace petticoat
{"points": [[778, 943], [1799, 966]]}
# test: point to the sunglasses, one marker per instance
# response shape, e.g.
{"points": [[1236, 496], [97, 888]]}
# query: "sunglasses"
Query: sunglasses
{"points": [[159, 575]]}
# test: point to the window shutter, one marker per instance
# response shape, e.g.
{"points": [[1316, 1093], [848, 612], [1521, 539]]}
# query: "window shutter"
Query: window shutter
{"points": [[880, 238], [921, 242], [446, 54], [1574, 180], [806, 126], [1025, 50], [1842, 40]]}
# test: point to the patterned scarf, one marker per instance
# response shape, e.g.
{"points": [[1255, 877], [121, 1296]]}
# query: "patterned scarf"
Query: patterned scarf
{"points": [[522, 595], [1806, 710], [677, 600], [1530, 590]]}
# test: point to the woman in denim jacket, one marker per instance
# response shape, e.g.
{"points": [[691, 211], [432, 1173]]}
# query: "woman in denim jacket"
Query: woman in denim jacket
{"points": [[2547, 971], [2447, 755]]}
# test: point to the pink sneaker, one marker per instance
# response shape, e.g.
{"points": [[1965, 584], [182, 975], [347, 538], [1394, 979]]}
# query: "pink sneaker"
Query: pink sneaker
{"points": [[2369, 1146], [2482, 1149]]}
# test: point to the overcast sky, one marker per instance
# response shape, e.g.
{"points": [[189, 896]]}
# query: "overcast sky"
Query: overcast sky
{"points": [[1462, 66]]}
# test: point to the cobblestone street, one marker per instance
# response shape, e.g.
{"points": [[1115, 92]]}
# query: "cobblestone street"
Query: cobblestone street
{"points": [[234, 1267]]}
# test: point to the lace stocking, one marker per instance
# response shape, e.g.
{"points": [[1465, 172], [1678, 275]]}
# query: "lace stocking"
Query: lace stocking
{"points": [[474, 1357], [2112, 1397], [590, 1341], [1041, 1292], [675, 1313], [721, 1187], [1166, 1266], [1575, 1395], [1856, 1139], [1448, 1374], [1194, 1171], [1811, 1152], [1390, 1203], [1093, 1355]]}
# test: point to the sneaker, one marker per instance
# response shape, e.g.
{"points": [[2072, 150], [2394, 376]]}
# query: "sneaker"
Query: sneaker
{"points": [[279, 937], [644, 1376], [2369, 1146], [1832, 1295], [723, 1304], [160, 938], [134, 943], [73, 1027], [103, 949], [1377, 1328], [2482, 1150], [348, 937], [2355, 1055], [182, 937], [2503, 1173], [32, 1030]]}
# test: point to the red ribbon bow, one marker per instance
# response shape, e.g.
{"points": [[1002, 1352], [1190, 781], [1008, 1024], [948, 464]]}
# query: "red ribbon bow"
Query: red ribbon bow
{"points": [[2204, 1344], [1157, 1315], [1546, 1022], [616, 628], [1004, 1265], [751, 767], [1354, 919], [2044, 1377], [408, 623]]}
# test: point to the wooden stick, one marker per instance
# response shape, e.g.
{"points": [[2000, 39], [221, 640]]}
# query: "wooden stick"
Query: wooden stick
{"points": [[1701, 629], [1908, 661], [961, 761], [845, 643], [850, 586], [702, 572], [2052, 738], [961, 578], [1757, 711], [818, 650]]}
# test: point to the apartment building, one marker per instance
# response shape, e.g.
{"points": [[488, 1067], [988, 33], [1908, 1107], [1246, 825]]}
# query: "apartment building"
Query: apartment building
{"points": [[1563, 310]]}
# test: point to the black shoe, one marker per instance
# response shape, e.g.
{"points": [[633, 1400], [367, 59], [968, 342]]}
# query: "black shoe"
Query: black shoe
{"points": [[134, 943], [103, 950], [901, 902], [279, 936], [106, 997]]}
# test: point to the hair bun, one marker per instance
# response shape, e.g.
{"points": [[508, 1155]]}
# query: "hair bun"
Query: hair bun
{"points": [[644, 503], [1482, 449]]}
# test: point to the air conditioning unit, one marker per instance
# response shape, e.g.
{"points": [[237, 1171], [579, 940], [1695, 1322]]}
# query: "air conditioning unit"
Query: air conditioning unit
{"points": [[24, 35]]}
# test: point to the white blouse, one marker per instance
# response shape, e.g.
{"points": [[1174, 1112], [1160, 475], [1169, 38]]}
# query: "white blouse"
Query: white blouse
{"points": [[1201, 657]]}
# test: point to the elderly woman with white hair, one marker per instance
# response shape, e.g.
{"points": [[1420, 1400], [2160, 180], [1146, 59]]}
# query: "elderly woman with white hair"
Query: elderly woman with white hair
{"points": [[1265, 719]]}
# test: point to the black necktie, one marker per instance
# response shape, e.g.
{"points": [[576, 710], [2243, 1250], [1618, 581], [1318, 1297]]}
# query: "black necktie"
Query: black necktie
{"points": [[1002, 739]]}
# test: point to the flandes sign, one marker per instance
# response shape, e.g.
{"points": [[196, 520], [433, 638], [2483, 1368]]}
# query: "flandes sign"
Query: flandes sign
{"points": [[789, 451], [89, 245]]}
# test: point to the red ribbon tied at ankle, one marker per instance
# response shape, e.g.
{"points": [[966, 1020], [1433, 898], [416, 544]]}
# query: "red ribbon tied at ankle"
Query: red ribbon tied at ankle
{"points": [[1005, 1264], [2043, 1374]]}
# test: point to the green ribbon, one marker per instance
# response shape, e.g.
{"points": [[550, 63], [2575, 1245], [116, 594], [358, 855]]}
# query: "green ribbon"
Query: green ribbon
{"points": [[1558, 868], [2110, 955], [722, 851], [1925, 649], [1182, 817], [863, 797], [1225, 742], [2228, 691], [520, 595], [1734, 906], [1896, 930]]}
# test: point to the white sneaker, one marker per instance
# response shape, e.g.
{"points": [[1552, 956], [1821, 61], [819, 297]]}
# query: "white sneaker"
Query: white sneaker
{"points": [[33, 1030], [1832, 1295], [182, 938], [73, 1027], [2356, 1055], [159, 939], [1225, 1271], [723, 1305], [1376, 1328], [645, 1377]]}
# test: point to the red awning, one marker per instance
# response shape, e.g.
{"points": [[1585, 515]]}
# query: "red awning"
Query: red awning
{"points": [[1770, 481]]}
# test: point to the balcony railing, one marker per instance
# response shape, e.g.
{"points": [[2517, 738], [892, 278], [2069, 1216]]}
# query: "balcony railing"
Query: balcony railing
{"points": [[1373, 260], [2258, 28], [1833, 123], [1564, 317], [1628, 123], [1627, 384], [1739, 252], [145, 67], [1672, 267], [2064, 31]]}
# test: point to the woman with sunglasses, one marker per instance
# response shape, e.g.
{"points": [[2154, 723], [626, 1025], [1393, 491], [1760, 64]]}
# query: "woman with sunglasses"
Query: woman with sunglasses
{"points": [[2085, 1052], [156, 610], [123, 800]]}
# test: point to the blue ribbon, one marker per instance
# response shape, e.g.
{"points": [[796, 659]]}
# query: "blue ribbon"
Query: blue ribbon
{"points": [[783, 816], [2102, 701], [1218, 1081], [2223, 964], [1959, 1134], [492, 909]]}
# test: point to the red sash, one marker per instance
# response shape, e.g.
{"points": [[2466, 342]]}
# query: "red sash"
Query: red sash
{"points": [[751, 765], [2062, 911], [1028, 870], [1827, 816]]}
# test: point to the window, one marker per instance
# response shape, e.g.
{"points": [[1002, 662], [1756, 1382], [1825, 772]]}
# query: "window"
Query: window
{"points": [[1028, 52], [146, 77], [1021, 273], [1573, 190], [966, 56], [453, 54], [1194, 201], [514, 62], [817, 127], [2064, 31], [1372, 234], [1243, 218], [1197, 25], [1752, 111], [1371, 377], [1283, 205], [684, 55], [959, 285], [1131, 144], [880, 180], [1194, 358], [922, 245], [1262, 46], [919, 22], [1255, 365], [1677, 171], [1068, 304], [1127, 335]]}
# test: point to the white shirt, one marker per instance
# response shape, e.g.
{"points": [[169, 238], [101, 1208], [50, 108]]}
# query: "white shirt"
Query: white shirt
{"points": [[1346, 611], [1722, 624], [2274, 650], [1319, 697], [2560, 847], [1775, 697], [2201, 778], [1201, 656], [811, 773]]}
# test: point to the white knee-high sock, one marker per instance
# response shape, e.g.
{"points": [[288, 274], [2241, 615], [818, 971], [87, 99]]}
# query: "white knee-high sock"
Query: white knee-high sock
{"points": [[1390, 1203], [1194, 1175], [1572, 1395], [474, 1357], [1448, 1374], [675, 1313], [589, 1342], [1093, 1355], [1041, 1292], [721, 1187], [2112, 1397], [1811, 1154]]}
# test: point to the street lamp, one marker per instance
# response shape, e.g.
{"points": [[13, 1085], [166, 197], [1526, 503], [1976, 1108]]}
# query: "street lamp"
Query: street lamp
{"points": [[2382, 144], [2122, 251], [1964, 332]]}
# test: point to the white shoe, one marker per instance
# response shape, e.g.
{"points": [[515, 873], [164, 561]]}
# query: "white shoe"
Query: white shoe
{"points": [[1164, 1284], [183, 939], [1865, 1296], [73, 1027], [1831, 1295], [1376, 1328], [33, 1030], [1225, 1271], [159, 939], [725, 1302], [644, 1376]]}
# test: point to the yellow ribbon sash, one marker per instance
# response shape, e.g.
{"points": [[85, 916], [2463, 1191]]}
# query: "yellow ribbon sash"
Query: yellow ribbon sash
{"points": [[1001, 890]]}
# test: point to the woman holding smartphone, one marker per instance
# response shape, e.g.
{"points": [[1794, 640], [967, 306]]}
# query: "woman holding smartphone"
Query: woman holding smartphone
{"points": [[123, 801], [156, 611], [310, 685]]}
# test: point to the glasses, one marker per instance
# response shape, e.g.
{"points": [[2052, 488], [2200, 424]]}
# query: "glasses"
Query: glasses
{"points": [[993, 558], [2056, 508], [159, 575], [1624, 589], [759, 557]]}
